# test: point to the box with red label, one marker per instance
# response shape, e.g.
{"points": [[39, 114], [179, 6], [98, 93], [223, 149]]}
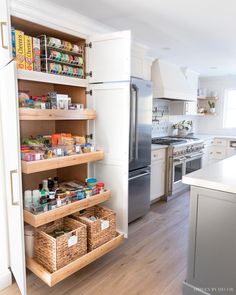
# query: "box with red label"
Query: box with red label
{"points": [[28, 53]]}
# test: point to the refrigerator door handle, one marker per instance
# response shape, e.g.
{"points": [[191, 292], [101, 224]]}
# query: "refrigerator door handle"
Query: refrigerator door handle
{"points": [[136, 121], [132, 121], [140, 175]]}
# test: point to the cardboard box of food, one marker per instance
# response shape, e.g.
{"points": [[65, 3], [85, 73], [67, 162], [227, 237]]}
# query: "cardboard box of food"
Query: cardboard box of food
{"points": [[20, 51], [36, 54], [28, 53]]}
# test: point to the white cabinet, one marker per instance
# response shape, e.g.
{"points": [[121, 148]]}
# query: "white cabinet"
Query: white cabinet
{"points": [[140, 62], [110, 100], [158, 170], [5, 29], [109, 57], [179, 108]]}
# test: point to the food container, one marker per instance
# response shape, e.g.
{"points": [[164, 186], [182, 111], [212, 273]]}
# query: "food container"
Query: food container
{"points": [[100, 187], [54, 252], [91, 182], [29, 240]]}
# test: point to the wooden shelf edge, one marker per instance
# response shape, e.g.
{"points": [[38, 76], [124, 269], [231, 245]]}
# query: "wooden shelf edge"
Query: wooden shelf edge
{"points": [[52, 279], [60, 162], [27, 114], [51, 78], [208, 97], [44, 218]]}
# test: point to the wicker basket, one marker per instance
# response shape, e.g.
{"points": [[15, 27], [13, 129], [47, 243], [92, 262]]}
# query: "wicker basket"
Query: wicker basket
{"points": [[54, 253], [100, 231]]}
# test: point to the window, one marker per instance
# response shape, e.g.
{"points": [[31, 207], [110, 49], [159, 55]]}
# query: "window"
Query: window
{"points": [[230, 109]]}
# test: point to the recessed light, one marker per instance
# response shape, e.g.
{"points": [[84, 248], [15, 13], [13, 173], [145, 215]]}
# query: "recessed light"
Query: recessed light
{"points": [[213, 68], [165, 48]]}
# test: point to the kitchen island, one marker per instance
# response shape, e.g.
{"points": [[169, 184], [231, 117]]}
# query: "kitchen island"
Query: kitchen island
{"points": [[211, 267]]}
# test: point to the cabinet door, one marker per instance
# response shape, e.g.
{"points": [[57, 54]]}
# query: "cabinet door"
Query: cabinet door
{"points": [[157, 179], [5, 47], [11, 149], [109, 57], [111, 133]]}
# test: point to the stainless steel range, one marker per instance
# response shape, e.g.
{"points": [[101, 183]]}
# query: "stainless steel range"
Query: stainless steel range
{"points": [[184, 156]]}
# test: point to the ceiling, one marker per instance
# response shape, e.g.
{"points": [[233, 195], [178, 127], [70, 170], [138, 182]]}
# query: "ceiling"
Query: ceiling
{"points": [[198, 34]]}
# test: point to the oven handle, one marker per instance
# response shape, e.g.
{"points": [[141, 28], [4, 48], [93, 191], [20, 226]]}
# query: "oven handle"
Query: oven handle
{"points": [[195, 156], [179, 159]]}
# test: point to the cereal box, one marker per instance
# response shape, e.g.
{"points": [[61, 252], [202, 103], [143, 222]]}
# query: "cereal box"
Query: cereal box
{"points": [[36, 54], [20, 52], [28, 53], [13, 40]]}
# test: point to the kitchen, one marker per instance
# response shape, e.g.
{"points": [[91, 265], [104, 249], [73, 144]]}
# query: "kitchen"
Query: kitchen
{"points": [[118, 118]]}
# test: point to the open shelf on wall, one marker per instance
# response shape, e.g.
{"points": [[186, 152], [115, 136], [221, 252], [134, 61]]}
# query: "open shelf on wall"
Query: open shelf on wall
{"points": [[208, 97]]}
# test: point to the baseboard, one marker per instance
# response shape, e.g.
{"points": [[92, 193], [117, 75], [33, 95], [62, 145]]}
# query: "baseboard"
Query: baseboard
{"points": [[5, 279], [192, 290]]}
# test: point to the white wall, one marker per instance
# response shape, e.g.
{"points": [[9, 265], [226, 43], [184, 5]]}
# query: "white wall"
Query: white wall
{"points": [[214, 124]]}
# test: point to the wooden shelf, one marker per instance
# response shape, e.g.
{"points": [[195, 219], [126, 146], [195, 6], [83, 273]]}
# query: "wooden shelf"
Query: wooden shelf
{"points": [[207, 114], [52, 279], [60, 162], [51, 78], [208, 97], [44, 218], [38, 114]]}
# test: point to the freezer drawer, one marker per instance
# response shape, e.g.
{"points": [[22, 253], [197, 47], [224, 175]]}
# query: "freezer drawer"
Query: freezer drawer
{"points": [[139, 193]]}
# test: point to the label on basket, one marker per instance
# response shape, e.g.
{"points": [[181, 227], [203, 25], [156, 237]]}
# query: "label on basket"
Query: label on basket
{"points": [[104, 224], [72, 240]]}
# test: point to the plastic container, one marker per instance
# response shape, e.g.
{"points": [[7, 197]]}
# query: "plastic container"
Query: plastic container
{"points": [[91, 182], [29, 241], [27, 198]]}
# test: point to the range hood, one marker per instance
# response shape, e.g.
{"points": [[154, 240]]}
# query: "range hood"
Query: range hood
{"points": [[173, 82]]}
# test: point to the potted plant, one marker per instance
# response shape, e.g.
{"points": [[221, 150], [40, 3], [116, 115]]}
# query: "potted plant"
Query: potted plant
{"points": [[212, 106], [183, 127]]}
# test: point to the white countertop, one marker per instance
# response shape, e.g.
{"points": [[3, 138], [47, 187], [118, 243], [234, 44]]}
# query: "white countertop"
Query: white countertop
{"points": [[211, 136], [158, 147], [220, 176]]}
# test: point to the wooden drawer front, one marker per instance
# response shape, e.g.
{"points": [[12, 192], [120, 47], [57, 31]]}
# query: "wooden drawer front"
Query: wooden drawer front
{"points": [[158, 154], [220, 142]]}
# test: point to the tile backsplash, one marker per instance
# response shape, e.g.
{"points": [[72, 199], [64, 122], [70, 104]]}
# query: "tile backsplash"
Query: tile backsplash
{"points": [[162, 121]]}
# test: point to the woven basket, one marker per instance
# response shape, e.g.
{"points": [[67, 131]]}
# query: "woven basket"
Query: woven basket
{"points": [[54, 253], [100, 231]]}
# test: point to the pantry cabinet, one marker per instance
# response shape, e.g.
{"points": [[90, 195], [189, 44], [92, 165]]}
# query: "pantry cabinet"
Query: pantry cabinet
{"points": [[107, 60], [5, 30]]}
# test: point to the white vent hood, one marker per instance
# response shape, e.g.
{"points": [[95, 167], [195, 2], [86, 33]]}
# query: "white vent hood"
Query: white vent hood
{"points": [[172, 82]]}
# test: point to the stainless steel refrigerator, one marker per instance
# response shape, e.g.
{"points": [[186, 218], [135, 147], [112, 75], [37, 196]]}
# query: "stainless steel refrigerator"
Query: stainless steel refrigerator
{"points": [[140, 147]]}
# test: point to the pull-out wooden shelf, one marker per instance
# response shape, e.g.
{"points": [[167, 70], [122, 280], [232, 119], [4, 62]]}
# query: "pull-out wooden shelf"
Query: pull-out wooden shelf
{"points": [[60, 162], [52, 279], [38, 114], [51, 78], [43, 218]]}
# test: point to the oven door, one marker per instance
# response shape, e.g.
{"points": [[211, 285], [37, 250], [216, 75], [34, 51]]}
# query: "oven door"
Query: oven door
{"points": [[193, 163], [178, 173]]}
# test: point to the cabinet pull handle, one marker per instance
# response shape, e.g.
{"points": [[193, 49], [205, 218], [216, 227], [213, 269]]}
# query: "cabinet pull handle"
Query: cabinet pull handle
{"points": [[2, 36], [11, 180]]}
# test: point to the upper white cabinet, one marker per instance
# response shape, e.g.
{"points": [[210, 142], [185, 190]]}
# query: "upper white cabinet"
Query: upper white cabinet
{"points": [[5, 29], [140, 62], [109, 57]]}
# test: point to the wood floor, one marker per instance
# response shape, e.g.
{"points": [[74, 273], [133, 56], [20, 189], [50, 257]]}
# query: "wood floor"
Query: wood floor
{"points": [[151, 262]]}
